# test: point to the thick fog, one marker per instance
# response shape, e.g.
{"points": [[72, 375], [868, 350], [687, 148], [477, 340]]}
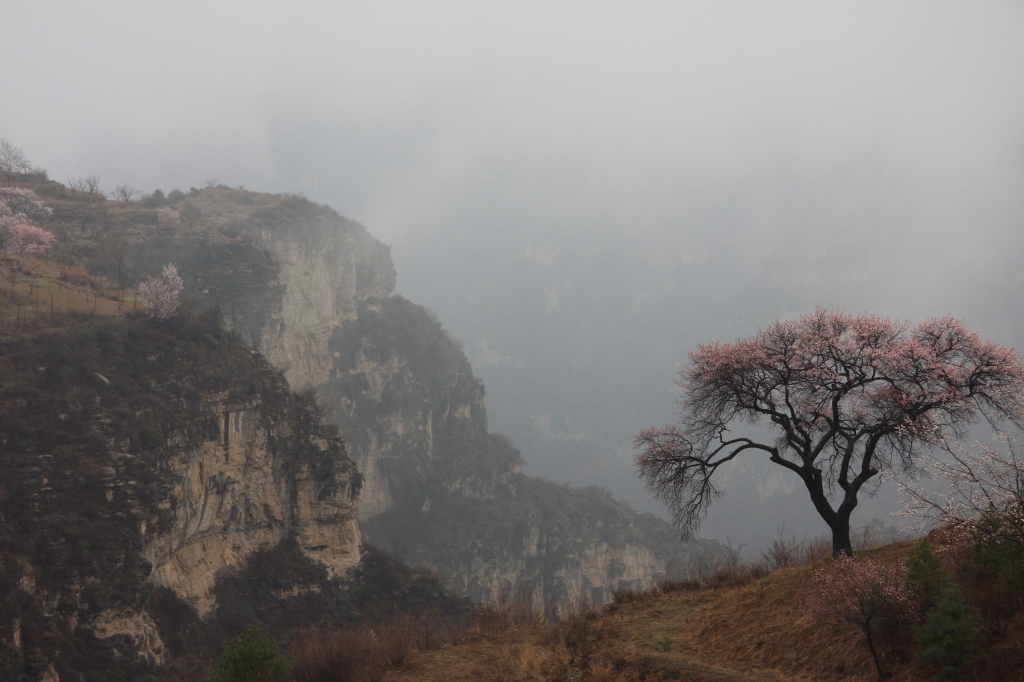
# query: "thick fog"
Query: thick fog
{"points": [[582, 192]]}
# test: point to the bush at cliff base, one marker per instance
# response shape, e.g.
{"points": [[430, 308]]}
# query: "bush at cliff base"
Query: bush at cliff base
{"points": [[252, 657]]}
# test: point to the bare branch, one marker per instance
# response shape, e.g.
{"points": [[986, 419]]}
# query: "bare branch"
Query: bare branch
{"points": [[124, 193]]}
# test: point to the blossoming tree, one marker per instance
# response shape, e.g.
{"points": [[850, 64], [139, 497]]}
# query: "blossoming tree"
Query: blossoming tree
{"points": [[23, 238], [168, 217], [159, 295], [847, 397], [24, 203]]}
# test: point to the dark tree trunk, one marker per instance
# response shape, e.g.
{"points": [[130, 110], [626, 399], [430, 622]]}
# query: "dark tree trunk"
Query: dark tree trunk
{"points": [[841, 537], [874, 655]]}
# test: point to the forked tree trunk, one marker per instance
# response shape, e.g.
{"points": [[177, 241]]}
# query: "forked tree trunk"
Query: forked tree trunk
{"points": [[838, 521]]}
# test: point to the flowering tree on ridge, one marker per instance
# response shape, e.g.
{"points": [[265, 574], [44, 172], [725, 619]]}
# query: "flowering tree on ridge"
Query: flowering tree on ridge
{"points": [[848, 397], [19, 208], [24, 202]]}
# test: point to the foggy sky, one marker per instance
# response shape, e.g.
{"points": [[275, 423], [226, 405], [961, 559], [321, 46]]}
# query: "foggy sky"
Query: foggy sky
{"points": [[582, 191]]}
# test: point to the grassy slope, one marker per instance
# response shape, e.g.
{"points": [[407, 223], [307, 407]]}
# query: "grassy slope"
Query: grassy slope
{"points": [[88, 230], [757, 631]]}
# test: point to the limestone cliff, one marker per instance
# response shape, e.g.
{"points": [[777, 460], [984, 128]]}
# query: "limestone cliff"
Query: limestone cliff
{"points": [[312, 291], [142, 459], [243, 493]]}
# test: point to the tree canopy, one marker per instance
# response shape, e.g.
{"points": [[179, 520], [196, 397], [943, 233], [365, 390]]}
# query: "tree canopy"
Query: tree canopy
{"points": [[847, 396]]}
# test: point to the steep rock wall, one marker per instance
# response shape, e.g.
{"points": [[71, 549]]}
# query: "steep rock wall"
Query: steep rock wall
{"points": [[311, 290], [242, 493], [147, 458]]}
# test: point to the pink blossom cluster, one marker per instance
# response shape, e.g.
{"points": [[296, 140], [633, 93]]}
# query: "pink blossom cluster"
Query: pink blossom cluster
{"points": [[865, 592], [168, 217], [25, 202], [159, 295], [23, 239], [836, 370], [981, 482], [19, 208], [861, 591]]}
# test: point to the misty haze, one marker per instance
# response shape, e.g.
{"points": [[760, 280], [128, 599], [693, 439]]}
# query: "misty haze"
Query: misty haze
{"points": [[511, 325]]}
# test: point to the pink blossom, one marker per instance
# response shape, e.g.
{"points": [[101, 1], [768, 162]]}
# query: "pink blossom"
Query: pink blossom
{"points": [[27, 238], [981, 481], [168, 217], [865, 592], [25, 202], [860, 589], [159, 295]]}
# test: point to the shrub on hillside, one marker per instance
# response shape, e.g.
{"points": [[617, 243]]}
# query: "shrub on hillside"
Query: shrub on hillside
{"points": [[252, 657], [927, 578], [949, 634], [867, 593], [993, 572]]}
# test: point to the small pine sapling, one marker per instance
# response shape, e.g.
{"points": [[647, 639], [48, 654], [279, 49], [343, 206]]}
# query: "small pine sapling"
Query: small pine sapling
{"points": [[994, 571], [927, 578], [949, 634]]}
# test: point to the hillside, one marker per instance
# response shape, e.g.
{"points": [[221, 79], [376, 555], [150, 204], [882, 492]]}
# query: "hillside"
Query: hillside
{"points": [[759, 630], [146, 462], [311, 290]]}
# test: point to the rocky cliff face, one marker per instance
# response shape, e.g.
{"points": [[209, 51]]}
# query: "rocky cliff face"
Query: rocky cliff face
{"points": [[312, 291], [150, 459], [242, 493]]}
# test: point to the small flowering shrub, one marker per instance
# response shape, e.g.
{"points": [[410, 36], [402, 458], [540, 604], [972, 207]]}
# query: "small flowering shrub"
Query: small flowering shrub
{"points": [[168, 217], [159, 295], [870, 594]]}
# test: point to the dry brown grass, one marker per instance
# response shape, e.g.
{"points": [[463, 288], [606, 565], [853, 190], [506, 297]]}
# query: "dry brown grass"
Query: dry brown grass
{"points": [[43, 290], [754, 631]]}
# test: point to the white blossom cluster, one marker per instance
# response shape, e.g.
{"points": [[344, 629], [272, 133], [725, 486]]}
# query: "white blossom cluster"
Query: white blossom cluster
{"points": [[159, 295]]}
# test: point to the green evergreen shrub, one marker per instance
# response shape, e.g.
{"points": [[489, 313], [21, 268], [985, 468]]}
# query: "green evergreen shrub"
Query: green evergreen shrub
{"points": [[252, 657], [993, 573], [949, 634], [926, 575], [157, 198], [150, 438]]}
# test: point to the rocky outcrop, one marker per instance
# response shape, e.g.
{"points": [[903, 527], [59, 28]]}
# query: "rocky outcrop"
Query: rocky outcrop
{"points": [[312, 291], [237, 495], [144, 458]]}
